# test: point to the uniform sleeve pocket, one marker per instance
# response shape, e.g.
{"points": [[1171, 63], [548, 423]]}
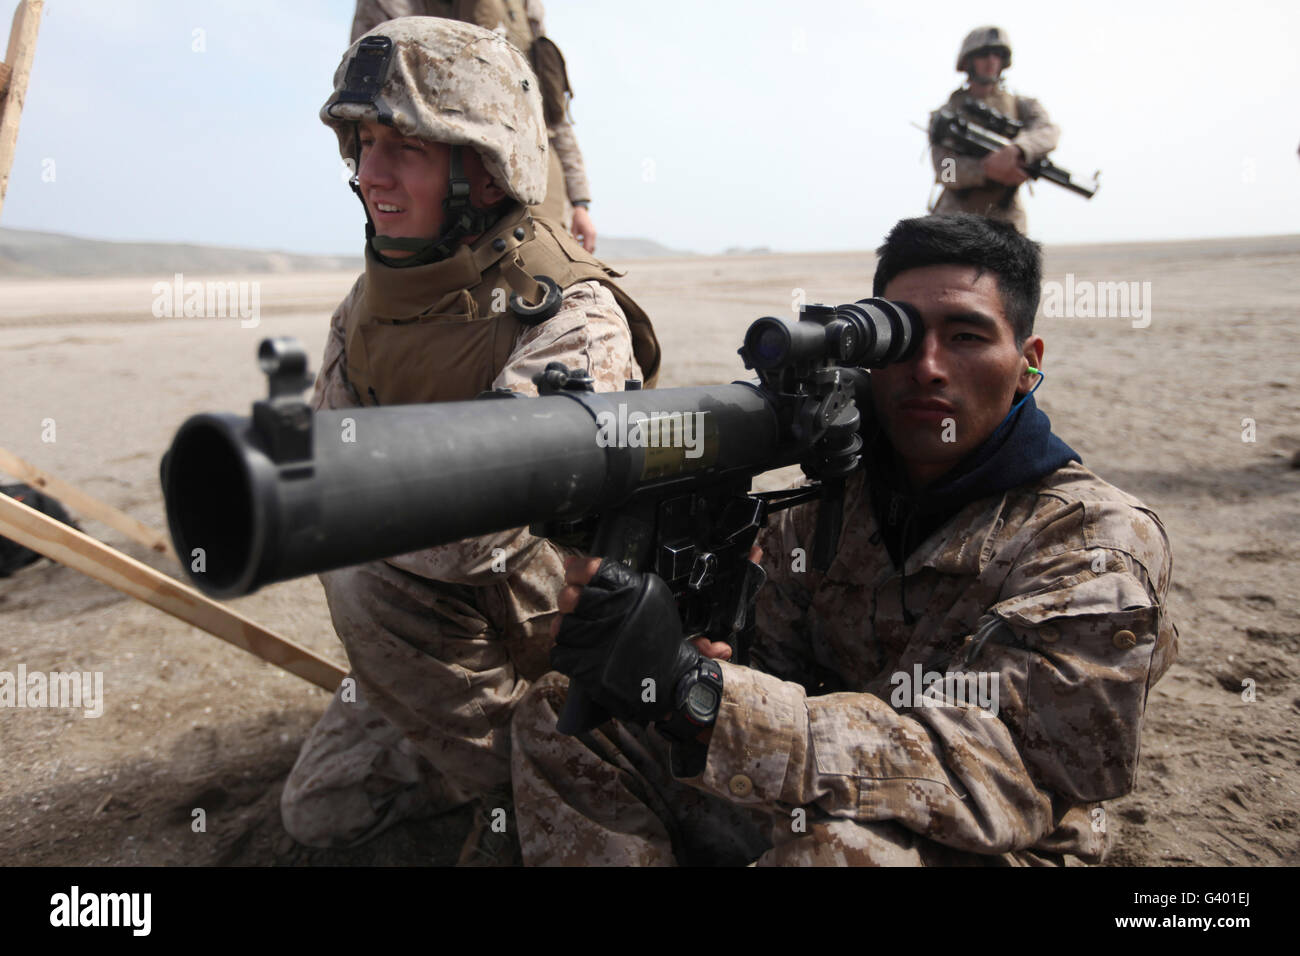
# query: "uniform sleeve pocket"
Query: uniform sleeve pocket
{"points": [[1090, 650]]}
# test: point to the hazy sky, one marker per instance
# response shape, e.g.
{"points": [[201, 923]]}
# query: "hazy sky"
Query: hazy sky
{"points": [[704, 124]]}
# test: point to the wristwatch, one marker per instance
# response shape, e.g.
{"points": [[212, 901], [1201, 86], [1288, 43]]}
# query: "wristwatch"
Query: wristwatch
{"points": [[697, 698]]}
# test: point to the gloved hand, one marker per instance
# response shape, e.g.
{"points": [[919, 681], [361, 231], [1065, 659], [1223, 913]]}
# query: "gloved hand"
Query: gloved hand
{"points": [[624, 644]]}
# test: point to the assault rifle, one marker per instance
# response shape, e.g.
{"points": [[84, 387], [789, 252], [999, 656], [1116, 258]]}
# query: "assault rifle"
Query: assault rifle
{"points": [[657, 478], [979, 129]]}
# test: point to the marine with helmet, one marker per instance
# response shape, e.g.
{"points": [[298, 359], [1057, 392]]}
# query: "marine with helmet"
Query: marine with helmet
{"points": [[568, 193], [990, 185], [464, 291]]}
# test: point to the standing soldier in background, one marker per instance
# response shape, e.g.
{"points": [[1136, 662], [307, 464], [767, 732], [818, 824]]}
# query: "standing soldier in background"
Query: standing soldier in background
{"points": [[990, 186], [442, 122], [568, 195]]}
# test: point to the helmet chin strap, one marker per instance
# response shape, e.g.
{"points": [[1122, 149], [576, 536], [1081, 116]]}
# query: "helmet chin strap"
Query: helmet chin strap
{"points": [[462, 218]]}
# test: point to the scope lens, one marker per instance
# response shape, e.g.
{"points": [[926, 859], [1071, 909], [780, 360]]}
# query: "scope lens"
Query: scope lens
{"points": [[768, 343], [771, 344]]}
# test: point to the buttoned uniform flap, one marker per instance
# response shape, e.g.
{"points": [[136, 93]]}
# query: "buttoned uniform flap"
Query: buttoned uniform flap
{"points": [[1108, 618], [1082, 594], [1089, 660]]}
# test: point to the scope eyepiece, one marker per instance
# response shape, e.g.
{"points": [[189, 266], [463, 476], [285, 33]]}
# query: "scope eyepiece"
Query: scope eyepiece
{"points": [[883, 331]]}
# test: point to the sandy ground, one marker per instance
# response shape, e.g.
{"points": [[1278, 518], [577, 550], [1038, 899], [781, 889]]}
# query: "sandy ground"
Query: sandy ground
{"points": [[190, 722]]}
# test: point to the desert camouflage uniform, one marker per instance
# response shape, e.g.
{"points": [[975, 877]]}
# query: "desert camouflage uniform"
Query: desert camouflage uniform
{"points": [[1069, 573], [969, 190], [522, 22], [441, 642]]}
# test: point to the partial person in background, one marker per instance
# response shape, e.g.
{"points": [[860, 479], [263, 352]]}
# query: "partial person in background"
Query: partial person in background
{"points": [[990, 185], [568, 194]]}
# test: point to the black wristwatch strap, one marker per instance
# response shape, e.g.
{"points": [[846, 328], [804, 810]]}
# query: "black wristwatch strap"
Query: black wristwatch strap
{"points": [[697, 698]]}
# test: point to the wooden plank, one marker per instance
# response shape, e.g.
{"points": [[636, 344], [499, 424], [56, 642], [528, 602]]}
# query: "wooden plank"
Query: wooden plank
{"points": [[5, 72], [22, 50], [84, 504], [70, 547]]}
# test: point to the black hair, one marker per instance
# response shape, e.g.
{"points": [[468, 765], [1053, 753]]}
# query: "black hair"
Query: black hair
{"points": [[969, 240]]}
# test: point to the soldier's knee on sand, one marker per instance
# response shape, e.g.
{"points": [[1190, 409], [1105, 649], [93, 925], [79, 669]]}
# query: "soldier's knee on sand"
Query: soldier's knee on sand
{"points": [[325, 802], [355, 775], [337, 804], [303, 821], [347, 817], [318, 814]]}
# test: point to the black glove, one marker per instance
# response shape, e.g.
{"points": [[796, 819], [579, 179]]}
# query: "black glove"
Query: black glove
{"points": [[624, 633]]}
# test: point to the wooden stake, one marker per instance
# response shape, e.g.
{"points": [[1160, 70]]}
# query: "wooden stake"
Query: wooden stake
{"points": [[84, 504], [70, 547], [22, 50]]}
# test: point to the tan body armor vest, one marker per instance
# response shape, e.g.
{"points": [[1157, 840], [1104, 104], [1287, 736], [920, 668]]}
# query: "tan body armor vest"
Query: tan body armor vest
{"points": [[443, 332]]}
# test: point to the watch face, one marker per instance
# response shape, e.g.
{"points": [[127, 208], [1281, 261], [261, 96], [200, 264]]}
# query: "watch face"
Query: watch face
{"points": [[702, 700]]}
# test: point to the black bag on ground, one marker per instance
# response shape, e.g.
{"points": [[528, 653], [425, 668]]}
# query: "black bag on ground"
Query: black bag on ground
{"points": [[12, 554]]}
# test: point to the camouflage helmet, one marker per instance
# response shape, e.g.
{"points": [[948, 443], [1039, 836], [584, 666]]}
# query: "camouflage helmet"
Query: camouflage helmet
{"points": [[982, 38], [445, 82]]}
